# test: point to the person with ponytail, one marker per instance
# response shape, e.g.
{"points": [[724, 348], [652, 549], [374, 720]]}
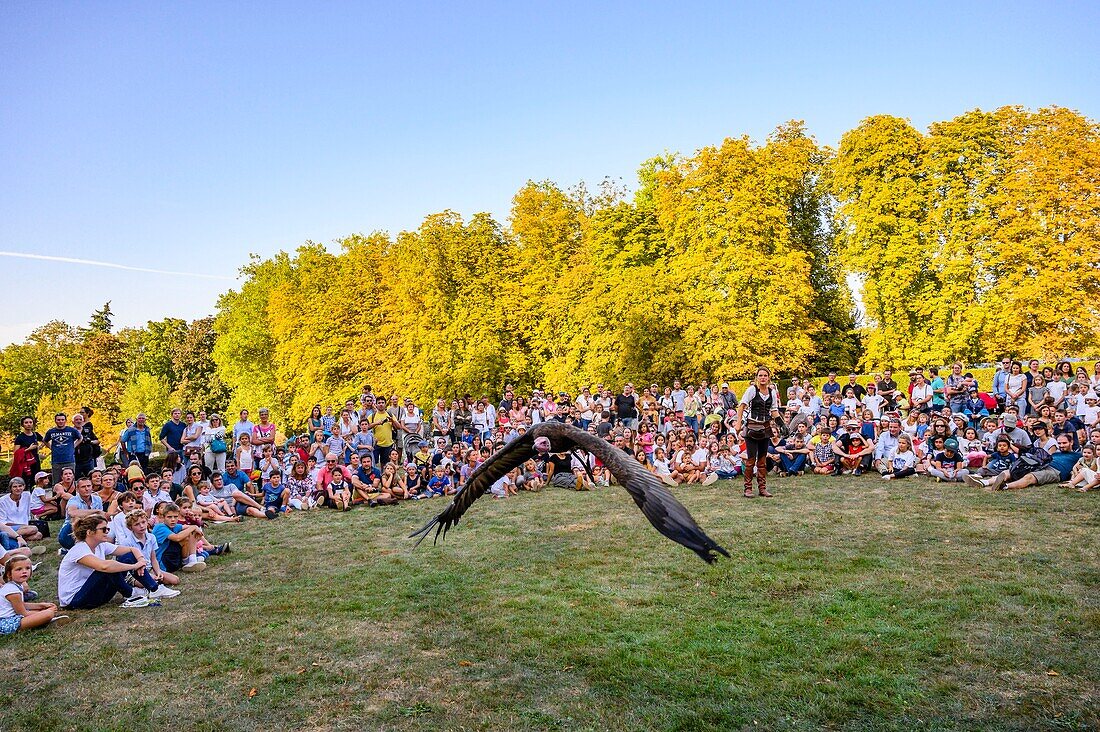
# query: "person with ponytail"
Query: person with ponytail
{"points": [[761, 401]]}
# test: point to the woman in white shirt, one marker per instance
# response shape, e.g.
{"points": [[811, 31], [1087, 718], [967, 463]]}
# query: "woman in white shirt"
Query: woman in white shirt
{"points": [[89, 577]]}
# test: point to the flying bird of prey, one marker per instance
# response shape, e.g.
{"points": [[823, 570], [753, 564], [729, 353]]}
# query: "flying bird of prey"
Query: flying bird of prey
{"points": [[659, 506]]}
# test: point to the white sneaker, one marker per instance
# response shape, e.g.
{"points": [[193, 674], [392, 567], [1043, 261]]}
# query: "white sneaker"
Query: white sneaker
{"points": [[888, 476], [710, 479], [163, 592], [136, 600], [193, 566]]}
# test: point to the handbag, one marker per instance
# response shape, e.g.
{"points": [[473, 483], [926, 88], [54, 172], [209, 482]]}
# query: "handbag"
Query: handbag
{"points": [[218, 446]]}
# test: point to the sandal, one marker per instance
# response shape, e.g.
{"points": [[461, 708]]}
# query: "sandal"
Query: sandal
{"points": [[749, 493]]}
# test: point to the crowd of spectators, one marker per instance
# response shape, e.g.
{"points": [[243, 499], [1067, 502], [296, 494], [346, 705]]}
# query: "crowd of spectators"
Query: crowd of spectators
{"points": [[129, 529]]}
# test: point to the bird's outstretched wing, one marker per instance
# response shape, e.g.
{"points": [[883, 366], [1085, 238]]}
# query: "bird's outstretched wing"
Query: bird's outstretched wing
{"points": [[514, 454], [659, 505], [662, 509]]}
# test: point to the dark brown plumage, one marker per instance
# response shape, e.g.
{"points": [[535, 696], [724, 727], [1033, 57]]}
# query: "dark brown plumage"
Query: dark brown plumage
{"points": [[662, 509]]}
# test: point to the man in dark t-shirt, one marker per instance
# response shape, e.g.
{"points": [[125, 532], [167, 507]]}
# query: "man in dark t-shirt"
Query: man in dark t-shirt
{"points": [[62, 441], [626, 407]]}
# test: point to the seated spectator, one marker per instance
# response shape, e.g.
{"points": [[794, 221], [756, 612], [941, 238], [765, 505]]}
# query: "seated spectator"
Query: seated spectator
{"points": [[793, 455], [15, 613], [83, 503], [91, 572], [902, 462], [152, 576], [178, 545], [949, 465], [337, 489], [15, 511], [822, 457], [1085, 475]]}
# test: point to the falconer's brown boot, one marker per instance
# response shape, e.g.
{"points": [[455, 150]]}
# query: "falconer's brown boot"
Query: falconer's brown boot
{"points": [[747, 475], [762, 477]]}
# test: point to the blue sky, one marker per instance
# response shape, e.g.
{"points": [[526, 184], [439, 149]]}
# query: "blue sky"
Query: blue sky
{"points": [[183, 136]]}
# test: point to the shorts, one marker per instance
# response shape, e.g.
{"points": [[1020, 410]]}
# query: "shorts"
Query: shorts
{"points": [[1046, 476], [240, 509], [564, 480], [172, 559], [10, 624], [8, 543]]}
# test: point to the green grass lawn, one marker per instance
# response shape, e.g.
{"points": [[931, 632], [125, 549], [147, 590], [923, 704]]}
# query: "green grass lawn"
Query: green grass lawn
{"points": [[849, 604]]}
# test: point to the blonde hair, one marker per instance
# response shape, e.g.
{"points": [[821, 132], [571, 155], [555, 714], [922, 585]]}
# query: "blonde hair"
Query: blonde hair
{"points": [[132, 517]]}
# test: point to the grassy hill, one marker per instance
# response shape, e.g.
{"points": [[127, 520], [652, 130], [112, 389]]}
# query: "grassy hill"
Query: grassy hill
{"points": [[849, 604]]}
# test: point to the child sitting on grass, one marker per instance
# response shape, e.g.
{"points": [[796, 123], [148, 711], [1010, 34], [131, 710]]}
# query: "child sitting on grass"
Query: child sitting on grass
{"points": [[1086, 473], [177, 545], [15, 614], [152, 577], [439, 485], [506, 486], [213, 508], [276, 495], [121, 506]]}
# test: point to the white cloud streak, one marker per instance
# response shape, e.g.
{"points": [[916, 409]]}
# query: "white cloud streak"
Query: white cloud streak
{"points": [[112, 265]]}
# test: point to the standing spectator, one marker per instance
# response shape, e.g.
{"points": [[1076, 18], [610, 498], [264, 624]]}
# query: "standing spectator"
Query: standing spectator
{"points": [[29, 440], [62, 441], [264, 433], [214, 442], [855, 386], [1000, 381], [956, 389], [1016, 388], [920, 399], [626, 408], [888, 389], [138, 440], [88, 449], [831, 385], [171, 437], [243, 426]]}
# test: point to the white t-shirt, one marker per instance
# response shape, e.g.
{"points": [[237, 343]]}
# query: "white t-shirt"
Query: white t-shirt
{"points": [[874, 403], [119, 531], [37, 494], [7, 610], [1057, 390], [920, 393], [16, 514], [72, 575]]}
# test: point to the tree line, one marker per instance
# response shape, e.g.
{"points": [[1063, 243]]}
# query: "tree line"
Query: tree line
{"points": [[974, 238]]}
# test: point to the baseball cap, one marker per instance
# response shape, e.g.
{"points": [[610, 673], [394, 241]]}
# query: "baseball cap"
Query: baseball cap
{"points": [[950, 444], [41, 474], [852, 423], [542, 444]]}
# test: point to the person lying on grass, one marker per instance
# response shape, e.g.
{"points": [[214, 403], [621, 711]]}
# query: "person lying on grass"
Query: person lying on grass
{"points": [[15, 614], [1059, 468]]}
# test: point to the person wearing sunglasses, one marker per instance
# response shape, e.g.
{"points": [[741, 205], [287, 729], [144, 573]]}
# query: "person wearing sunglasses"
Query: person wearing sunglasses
{"points": [[94, 570]]}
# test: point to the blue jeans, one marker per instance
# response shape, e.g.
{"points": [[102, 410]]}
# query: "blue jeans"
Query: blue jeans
{"points": [[792, 464], [144, 577], [99, 588], [65, 537]]}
